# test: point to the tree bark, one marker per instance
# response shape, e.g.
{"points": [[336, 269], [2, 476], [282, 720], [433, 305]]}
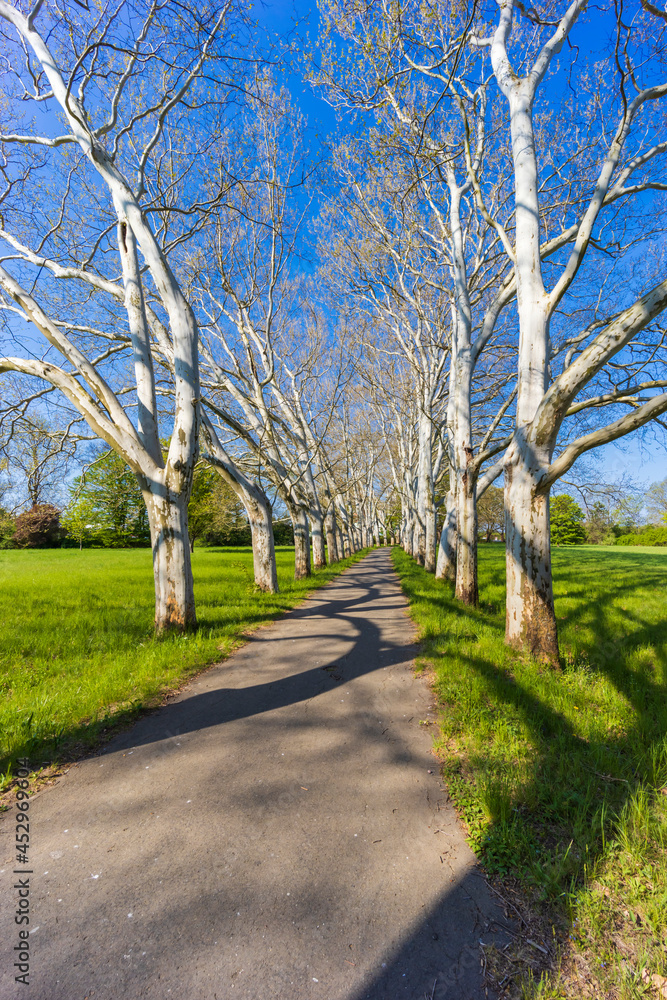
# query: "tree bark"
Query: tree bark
{"points": [[466, 539], [347, 551], [174, 593], [408, 534], [301, 543], [417, 539], [263, 545], [317, 530], [530, 618], [446, 567], [340, 541], [330, 528]]}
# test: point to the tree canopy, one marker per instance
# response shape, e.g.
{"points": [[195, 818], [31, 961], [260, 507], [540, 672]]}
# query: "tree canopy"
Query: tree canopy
{"points": [[454, 287]]}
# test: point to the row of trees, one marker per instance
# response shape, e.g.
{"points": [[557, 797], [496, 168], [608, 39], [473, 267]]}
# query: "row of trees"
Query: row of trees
{"points": [[494, 232], [471, 300], [151, 231]]}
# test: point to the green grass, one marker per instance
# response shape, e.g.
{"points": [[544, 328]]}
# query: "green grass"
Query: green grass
{"points": [[77, 649], [561, 778]]}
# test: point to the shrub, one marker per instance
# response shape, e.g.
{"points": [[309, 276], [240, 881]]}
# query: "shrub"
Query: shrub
{"points": [[647, 536], [39, 527]]}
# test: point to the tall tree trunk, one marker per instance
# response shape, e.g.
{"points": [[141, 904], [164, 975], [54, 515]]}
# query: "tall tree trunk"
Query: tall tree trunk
{"points": [[425, 501], [340, 542], [466, 540], [408, 531], [263, 544], [347, 549], [174, 594], [460, 429], [417, 540], [446, 567], [317, 529], [330, 528], [531, 618], [301, 543]]}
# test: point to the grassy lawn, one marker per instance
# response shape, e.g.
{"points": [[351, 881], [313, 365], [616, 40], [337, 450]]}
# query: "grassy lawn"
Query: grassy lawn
{"points": [[77, 650], [561, 778]]}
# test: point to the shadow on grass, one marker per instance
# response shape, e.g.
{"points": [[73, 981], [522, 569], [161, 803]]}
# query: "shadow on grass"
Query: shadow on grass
{"points": [[547, 768], [176, 659], [399, 944]]}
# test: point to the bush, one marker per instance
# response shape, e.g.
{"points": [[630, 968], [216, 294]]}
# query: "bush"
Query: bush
{"points": [[283, 533], [647, 536], [39, 527], [229, 536], [241, 535]]}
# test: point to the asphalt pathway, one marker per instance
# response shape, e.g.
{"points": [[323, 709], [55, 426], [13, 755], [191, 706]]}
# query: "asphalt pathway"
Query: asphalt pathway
{"points": [[279, 830]]}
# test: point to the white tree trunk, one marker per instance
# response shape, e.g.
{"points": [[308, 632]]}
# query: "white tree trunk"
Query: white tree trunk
{"points": [[466, 543], [347, 548], [330, 529], [466, 517], [301, 543], [531, 618], [417, 539], [425, 498], [446, 567], [174, 594], [340, 542], [263, 545], [317, 530], [407, 533]]}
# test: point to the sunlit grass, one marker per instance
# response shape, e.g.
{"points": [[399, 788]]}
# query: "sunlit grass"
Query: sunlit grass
{"points": [[77, 648], [562, 777]]}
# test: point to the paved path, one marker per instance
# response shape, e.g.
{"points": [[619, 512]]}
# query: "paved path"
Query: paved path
{"points": [[274, 832]]}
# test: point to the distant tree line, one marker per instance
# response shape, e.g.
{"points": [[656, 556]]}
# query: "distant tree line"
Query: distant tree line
{"points": [[105, 509], [635, 519]]}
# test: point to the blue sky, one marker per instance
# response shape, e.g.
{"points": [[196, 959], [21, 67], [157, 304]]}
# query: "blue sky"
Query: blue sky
{"points": [[640, 455]]}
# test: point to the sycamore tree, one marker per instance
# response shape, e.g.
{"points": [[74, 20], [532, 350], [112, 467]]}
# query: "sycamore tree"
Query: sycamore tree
{"points": [[107, 124], [577, 149], [575, 323], [426, 254]]}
